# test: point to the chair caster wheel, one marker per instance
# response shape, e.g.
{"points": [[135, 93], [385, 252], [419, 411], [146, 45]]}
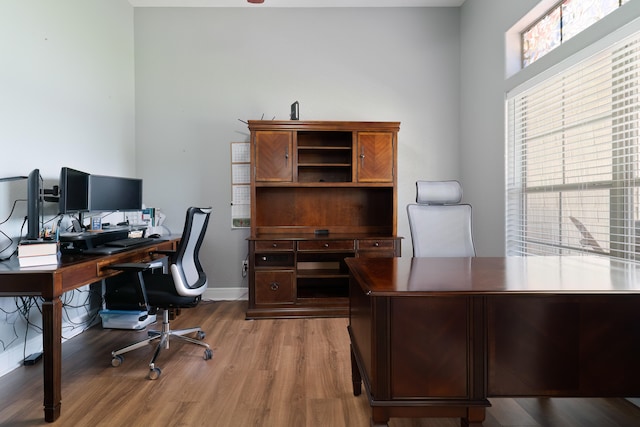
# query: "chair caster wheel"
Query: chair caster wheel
{"points": [[154, 373], [208, 354], [201, 335], [117, 360]]}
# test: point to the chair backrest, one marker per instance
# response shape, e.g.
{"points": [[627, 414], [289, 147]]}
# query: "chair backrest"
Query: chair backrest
{"points": [[186, 270], [440, 226]]}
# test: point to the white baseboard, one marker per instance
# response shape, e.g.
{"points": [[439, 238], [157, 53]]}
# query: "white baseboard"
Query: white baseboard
{"points": [[11, 358], [226, 294]]}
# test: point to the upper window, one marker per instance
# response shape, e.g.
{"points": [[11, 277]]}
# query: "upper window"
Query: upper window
{"points": [[566, 19]]}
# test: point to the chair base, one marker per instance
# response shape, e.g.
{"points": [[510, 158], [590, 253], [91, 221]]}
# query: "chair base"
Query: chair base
{"points": [[163, 338]]}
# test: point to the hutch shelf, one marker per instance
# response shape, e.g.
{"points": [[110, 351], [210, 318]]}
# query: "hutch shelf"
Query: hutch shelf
{"points": [[321, 191]]}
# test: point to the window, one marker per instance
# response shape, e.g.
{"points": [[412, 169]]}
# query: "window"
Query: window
{"points": [[566, 19], [573, 159]]}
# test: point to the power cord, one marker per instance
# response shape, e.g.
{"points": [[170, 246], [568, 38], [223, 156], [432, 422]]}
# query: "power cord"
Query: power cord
{"points": [[11, 241]]}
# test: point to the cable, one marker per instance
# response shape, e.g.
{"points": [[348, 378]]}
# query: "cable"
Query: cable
{"points": [[25, 306], [12, 322], [10, 239]]}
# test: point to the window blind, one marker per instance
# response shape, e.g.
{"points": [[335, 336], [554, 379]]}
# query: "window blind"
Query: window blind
{"points": [[573, 159]]}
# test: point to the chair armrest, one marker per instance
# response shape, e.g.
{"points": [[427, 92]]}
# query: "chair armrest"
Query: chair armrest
{"points": [[138, 268], [170, 253]]}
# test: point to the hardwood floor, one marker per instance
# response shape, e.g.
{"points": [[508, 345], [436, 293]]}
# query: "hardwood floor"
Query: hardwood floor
{"points": [[266, 373]]}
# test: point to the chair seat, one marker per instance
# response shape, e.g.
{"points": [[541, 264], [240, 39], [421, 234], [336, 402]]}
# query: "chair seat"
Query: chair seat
{"points": [[160, 293]]}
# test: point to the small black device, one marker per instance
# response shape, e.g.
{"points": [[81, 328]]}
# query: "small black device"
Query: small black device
{"points": [[32, 359], [295, 111]]}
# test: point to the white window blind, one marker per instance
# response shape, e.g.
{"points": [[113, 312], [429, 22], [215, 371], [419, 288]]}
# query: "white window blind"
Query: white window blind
{"points": [[573, 159]]}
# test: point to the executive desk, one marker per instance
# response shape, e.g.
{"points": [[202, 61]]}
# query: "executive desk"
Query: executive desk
{"points": [[50, 283], [435, 337]]}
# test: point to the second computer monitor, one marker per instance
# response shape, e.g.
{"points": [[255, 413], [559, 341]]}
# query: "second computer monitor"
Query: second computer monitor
{"points": [[111, 193]]}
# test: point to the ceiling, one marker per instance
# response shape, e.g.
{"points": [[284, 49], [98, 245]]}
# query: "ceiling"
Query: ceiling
{"points": [[297, 3]]}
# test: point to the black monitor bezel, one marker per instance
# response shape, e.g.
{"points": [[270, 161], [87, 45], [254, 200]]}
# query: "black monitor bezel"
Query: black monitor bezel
{"points": [[76, 183], [34, 204], [105, 197]]}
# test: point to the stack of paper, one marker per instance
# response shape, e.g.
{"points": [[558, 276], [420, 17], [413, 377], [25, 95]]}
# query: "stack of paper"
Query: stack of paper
{"points": [[38, 252]]}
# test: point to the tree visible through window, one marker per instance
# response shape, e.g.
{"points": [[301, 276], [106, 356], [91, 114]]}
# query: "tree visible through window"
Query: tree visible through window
{"points": [[566, 19]]}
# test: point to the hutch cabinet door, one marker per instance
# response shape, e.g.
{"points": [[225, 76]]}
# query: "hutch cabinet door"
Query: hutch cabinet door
{"points": [[375, 156], [273, 156]]}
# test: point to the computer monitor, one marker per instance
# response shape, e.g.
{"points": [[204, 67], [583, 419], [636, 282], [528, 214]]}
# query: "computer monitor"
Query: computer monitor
{"points": [[111, 193], [74, 191], [34, 204]]}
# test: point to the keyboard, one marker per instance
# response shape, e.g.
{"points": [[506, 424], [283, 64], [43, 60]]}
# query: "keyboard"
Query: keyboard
{"points": [[103, 250], [129, 242]]}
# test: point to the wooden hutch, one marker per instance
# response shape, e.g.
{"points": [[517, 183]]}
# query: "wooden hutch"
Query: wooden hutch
{"points": [[321, 191]]}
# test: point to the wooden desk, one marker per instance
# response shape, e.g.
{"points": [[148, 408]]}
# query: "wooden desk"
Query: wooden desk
{"points": [[50, 283], [435, 337]]}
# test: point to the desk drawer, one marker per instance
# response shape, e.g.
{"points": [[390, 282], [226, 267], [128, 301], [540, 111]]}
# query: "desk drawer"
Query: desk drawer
{"points": [[283, 259], [275, 287], [326, 245], [376, 244], [274, 245]]}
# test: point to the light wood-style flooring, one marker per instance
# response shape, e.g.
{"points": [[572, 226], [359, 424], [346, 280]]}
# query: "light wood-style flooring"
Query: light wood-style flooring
{"points": [[264, 373]]}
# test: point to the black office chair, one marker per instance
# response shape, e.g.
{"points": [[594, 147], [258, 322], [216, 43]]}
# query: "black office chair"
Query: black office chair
{"points": [[182, 287]]}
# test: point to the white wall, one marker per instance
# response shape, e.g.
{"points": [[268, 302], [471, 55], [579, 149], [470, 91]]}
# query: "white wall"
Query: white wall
{"points": [[66, 99], [482, 132], [67, 86], [199, 70]]}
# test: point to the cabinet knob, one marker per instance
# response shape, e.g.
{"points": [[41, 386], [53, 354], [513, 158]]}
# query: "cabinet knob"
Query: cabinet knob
{"points": [[326, 245], [376, 244], [264, 258], [274, 286], [275, 245]]}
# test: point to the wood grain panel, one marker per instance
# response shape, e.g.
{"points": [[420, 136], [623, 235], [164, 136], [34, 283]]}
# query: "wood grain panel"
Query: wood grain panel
{"points": [[375, 156], [560, 345], [273, 156], [438, 365]]}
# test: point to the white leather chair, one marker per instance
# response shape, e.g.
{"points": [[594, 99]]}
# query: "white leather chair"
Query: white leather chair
{"points": [[440, 225]]}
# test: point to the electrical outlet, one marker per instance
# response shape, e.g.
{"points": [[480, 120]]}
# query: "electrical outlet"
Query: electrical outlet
{"points": [[245, 266]]}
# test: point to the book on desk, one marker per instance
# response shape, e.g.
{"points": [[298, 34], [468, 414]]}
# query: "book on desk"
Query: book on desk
{"points": [[32, 253]]}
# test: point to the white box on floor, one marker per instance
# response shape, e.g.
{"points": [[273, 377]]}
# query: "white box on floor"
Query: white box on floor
{"points": [[125, 319]]}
